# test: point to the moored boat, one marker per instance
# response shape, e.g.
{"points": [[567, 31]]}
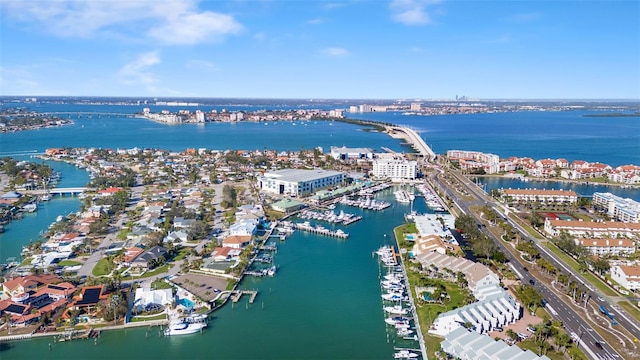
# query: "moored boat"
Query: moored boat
{"points": [[184, 328]]}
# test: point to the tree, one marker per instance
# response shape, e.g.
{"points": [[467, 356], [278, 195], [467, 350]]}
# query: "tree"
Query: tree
{"points": [[600, 266], [199, 229]]}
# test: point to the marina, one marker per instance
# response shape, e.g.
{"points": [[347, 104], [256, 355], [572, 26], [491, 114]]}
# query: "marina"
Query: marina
{"points": [[366, 203], [330, 217]]}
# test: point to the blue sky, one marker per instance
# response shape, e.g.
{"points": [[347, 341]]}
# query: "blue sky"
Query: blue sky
{"points": [[422, 49]]}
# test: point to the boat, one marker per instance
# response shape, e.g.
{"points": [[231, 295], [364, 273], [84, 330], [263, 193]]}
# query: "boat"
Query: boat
{"points": [[184, 327], [397, 320], [405, 354], [271, 271], [31, 207], [396, 309], [45, 197], [405, 332]]}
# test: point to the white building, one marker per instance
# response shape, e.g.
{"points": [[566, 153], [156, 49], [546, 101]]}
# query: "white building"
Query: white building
{"points": [[344, 153], [296, 182], [607, 246], [627, 276], [610, 229], [543, 196], [496, 310], [621, 209], [468, 345], [395, 169]]}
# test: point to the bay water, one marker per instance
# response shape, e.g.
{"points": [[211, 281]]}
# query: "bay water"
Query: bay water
{"points": [[325, 300]]}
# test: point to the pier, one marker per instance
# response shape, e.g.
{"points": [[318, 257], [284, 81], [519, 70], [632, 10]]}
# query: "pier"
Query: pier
{"points": [[321, 230], [237, 294]]}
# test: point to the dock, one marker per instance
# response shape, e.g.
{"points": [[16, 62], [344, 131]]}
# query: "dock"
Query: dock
{"points": [[237, 294], [320, 230]]}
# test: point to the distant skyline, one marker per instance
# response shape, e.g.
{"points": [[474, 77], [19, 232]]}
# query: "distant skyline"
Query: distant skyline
{"points": [[359, 49]]}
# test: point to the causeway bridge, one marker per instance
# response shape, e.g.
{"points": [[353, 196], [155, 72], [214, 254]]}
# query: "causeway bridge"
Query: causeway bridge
{"points": [[88, 114], [412, 137]]}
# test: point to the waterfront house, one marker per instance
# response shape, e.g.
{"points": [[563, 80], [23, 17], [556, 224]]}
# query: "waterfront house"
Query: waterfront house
{"points": [[109, 191], [236, 241], [244, 227], [146, 298], [87, 302]]}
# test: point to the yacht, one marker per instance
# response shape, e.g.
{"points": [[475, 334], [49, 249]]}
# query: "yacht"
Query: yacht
{"points": [[405, 354], [183, 328], [396, 309], [397, 320], [405, 332]]}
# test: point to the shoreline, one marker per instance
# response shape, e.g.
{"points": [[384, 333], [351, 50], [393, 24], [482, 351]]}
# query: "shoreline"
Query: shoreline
{"points": [[569, 181]]}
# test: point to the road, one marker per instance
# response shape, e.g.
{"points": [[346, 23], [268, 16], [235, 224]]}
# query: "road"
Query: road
{"points": [[570, 319]]}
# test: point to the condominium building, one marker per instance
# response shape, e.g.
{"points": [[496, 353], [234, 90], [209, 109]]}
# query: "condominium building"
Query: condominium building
{"points": [[628, 276], [297, 182], [602, 247], [621, 209], [395, 169], [610, 229], [344, 153], [543, 196], [468, 345]]}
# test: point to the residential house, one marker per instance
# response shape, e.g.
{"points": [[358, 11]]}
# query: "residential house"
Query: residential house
{"points": [[151, 258], [236, 241], [628, 276]]}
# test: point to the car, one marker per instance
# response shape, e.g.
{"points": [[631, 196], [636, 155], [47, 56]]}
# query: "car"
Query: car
{"points": [[531, 330], [532, 282], [600, 298], [525, 268], [498, 329], [598, 344], [574, 336]]}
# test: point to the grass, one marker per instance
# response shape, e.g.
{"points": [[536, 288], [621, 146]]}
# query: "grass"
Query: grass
{"points": [[630, 309], [102, 267], [182, 253], [149, 318], [69, 263], [574, 264], [156, 271]]}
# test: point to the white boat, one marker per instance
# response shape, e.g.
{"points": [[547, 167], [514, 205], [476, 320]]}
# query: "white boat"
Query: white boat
{"points": [[405, 354], [30, 207], [396, 309], [393, 297], [45, 197], [397, 320], [184, 327], [405, 332]]}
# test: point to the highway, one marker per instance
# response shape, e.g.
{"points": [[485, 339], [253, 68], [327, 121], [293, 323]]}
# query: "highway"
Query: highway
{"points": [[572, 321]]}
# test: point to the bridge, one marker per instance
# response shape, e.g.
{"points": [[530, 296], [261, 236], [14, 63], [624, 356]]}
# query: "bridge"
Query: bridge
{"points": [[78, 114], [412, 137], [58, 191]]}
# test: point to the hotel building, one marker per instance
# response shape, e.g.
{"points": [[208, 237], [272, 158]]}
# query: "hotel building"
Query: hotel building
{"points": [[395, 169]]}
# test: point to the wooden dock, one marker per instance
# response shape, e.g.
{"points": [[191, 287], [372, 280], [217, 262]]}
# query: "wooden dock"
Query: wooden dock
{"points": [[237, 294]]}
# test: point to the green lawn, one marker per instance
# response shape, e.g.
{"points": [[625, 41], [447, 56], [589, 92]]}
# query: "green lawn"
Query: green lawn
{"points": [[69, 263], [574, 264], [149, 318], [102, 267], [182, 253], [156, 271]]}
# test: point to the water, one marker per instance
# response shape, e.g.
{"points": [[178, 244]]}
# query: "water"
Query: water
{"points": [[539, 135], [22, 232], [324, 302], [580, 188]]}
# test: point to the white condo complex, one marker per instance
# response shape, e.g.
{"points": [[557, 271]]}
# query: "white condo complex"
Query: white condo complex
{"points": [[395, 169], [296, 182]]}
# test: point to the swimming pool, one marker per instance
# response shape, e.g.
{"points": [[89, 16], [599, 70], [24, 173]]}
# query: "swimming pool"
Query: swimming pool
{"points": [[185, 302]]}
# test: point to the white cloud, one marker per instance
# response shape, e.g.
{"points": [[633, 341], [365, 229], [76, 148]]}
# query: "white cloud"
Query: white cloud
{"points": [[315, 21], [335, 52], [168, 21], [411, 12], [137, 71]]}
